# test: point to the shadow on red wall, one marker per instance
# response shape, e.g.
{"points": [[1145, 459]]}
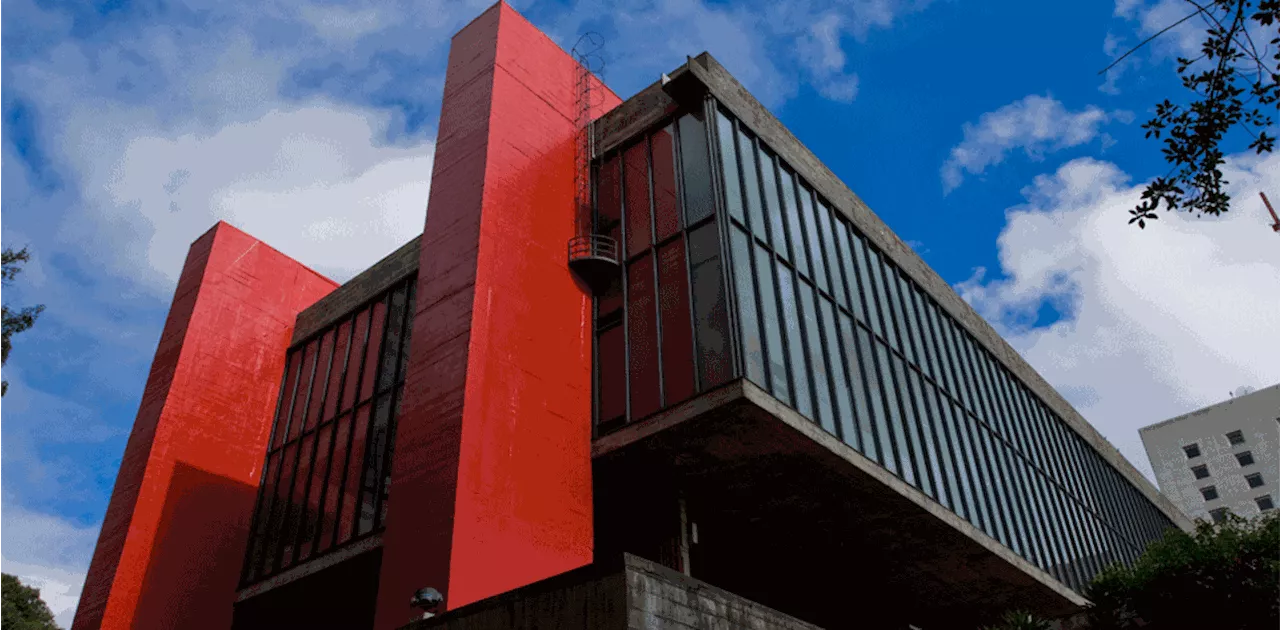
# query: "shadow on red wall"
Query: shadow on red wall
{"points": [[192, 575]]}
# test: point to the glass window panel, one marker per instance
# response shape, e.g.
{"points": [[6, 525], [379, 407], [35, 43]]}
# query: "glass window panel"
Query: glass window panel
{"points": [[642, 338], [880, 419], [715, 363], [813, 341], [911, 332], [795, 233], [872, 315], [279, 507], [341, 342], [928, 434], [391, 341], [748, 316], [840, 383], [315, 494], [298, 503], [729, 162], [978, 470], [287, 393], [262, 519], [863, 439], [772, 322], [904, 429], [772, 208], [928, 352], [666, 197], [810, 220], [850, 275], [635, 186], [957, 368], [827, 235], [949, 487], [962, 461], [751, 186], [406, 336], [795, 341], [609, 193], [302, 397], [677, 333], [356, 363], [696, 167], [355, 467], [894, 438], [613, 374], [375, 464], [1000, 486], [376, 323], [886, 307], [333, 493]]}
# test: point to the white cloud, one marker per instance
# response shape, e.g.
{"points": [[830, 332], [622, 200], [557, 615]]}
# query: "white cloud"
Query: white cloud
{"points": [[821, 51], [1157, 322], [1037, 124], [48, 553]]}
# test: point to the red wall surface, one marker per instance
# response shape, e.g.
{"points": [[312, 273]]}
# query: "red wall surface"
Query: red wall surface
{"points": [[172, 542], [491, 481]]}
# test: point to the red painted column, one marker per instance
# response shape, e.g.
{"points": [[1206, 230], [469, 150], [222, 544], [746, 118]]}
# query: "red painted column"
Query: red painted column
{"points": [[172, 542], [491, 483]]}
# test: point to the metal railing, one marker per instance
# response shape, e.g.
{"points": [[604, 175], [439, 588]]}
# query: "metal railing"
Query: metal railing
{"points": [[593, 247]]}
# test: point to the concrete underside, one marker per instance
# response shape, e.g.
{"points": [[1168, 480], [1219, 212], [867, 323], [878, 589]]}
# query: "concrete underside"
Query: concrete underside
{"points": [[790, 517]]}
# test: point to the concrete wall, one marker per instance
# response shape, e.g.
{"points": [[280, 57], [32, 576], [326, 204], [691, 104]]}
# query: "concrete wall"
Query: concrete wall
{"points": [[1257, 415]]}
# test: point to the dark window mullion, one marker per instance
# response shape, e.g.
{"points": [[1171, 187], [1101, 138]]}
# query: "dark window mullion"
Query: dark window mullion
{"points": [[300, 535], [279, 553], [354, 411], [260, 512], [406, 319], [370, 454]]}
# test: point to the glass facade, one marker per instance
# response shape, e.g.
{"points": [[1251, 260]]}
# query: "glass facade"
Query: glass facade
{"points": [[662, 328], [827, 324], [327, 472]]}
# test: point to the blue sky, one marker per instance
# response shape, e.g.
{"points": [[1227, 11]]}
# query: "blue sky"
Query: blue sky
{"points": [[980, 132]]}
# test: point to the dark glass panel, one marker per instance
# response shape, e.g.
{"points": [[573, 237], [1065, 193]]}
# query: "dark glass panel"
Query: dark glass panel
{"points": [[791, 212], [810, 220], [729, 160], [847, 262], [609, 301], [315, 494], [376, 325], [923, 432], [748, 316], [828, 238], [609, 194], [677, 334], [772, 326], [899, 418], [302, 397], [375, 464], [883, 449], [391, 343], [696, 167], [642, 334], [795, 341], [341, 342], [635, 184], [355, 468], [322, 378], [613, 374], [864, 441], [287, 393], [839, 381], [911, 327], [333, 486], [266, 504], [715, 361], [751, 186], [666, 196], [298, 504], [813, 341], [868, 287], [279, 507], [772, 208], [355, 364]]}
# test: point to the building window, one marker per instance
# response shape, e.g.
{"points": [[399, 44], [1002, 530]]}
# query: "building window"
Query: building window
{"points": [[1236, 438], [1264, 503], [327, 470], [1192, 450], [1245, 458], [1210, 492], [1201, 471], [1219, 515], [1255, 480]]}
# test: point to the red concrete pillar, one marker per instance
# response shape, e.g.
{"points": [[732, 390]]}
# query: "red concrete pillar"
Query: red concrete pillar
{"points": [[172, 542], [491, 483]]}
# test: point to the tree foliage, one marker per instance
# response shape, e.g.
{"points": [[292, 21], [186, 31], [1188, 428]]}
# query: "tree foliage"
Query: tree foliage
{"points": [[1019, 620], [1234, 87], [22, 608], [1224, 576], [17, 320]]}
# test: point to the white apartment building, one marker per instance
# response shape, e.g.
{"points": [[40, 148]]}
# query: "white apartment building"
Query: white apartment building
{"points": [[1225, 457]]}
